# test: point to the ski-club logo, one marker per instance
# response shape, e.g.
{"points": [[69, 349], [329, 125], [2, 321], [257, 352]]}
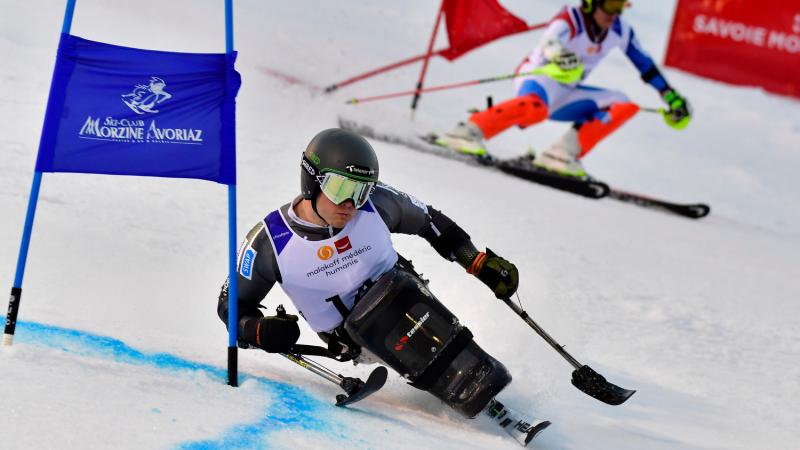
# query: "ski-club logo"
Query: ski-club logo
{"points": [[143, 100], [144, 97], [325, 252], [343, 244]]}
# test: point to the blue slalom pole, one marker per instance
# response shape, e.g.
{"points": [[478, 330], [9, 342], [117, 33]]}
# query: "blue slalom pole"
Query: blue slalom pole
{"points": [[16, 290], [233, 276]]}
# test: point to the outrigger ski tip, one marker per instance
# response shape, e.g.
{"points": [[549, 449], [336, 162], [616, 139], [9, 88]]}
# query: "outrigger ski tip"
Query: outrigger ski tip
{"points": [[358, 390], [355, 388], [595, 385]]}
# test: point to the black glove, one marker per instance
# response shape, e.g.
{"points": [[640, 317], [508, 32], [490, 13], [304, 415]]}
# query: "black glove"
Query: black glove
{"points": [[274, 334], [499, 274]]}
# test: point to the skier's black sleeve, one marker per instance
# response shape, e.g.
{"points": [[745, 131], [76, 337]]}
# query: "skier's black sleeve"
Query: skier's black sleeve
{"points": [[252, 290], [404, 214]]}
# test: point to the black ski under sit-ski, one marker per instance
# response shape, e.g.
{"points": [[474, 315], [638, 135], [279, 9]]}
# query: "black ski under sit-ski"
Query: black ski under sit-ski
{"points": [[358, 390]]}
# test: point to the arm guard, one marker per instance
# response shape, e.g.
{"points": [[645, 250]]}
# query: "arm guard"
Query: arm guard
{"points": [[449, 239]]}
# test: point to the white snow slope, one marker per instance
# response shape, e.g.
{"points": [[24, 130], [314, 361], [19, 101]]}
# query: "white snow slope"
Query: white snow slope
{"points": [[119, 346]]}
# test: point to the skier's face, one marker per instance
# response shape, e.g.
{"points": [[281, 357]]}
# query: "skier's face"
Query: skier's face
{"points": [[336, 215], [603, 19]]}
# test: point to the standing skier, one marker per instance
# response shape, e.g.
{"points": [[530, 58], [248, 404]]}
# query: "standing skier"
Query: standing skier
{"points": [[331, 251], [576, 40]]}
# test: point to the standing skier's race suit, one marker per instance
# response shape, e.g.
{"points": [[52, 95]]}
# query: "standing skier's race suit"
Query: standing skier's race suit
{"points": [[322, 268], [576, 101], [596, 111]]}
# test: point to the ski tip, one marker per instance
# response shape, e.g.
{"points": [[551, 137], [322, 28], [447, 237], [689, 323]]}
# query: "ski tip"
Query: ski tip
{"points": [[538, 428], [698, 211], [378, 376]]}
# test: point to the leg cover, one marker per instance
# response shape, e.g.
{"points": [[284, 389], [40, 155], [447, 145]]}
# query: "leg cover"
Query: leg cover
{"points": [[593, 131], [521, 111], [400, 321]]}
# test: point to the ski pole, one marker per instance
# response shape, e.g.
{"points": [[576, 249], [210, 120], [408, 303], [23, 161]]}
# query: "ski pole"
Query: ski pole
{"points": [[315, 368], [652, 110], [583, 377], [441, 87], [355, 388]]}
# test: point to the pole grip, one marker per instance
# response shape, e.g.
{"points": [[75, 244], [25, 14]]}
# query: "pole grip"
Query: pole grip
{"points": [[11, 315]]}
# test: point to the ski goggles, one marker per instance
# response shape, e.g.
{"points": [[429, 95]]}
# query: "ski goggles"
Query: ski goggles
{"points": [[613, 7], [339, 188]]}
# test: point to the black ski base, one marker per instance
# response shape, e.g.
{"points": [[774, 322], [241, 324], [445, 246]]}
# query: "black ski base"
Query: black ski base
{"points": [[358, 390], [522, 168], [690, 210]]}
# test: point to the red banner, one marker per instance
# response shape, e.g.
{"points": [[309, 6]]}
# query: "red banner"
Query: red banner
{"points": [[740, 42], [472, 23]]}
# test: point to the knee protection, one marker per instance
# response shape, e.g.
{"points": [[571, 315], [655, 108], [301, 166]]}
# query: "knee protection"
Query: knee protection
{"points": [[522, 111]]}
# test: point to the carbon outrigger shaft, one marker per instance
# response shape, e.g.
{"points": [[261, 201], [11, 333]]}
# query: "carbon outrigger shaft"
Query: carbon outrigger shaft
{"points": [[583, 377]]}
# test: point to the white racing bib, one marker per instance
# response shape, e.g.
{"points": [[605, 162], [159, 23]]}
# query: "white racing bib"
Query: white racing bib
{"points": [[322, 277]]}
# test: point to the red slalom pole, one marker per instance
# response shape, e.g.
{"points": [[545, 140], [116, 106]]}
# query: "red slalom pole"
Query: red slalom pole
{"points": [[379, 70], [418, 90], [439, 88], [405, 62]]}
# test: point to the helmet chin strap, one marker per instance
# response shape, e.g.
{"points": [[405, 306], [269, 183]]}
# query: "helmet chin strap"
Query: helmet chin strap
{"points": [[314, 208]]}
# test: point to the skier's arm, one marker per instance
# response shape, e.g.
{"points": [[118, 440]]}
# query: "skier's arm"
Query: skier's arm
{"points": [[405, 214], [645, 64], [679, 112], [565, 66], [255, 279]]}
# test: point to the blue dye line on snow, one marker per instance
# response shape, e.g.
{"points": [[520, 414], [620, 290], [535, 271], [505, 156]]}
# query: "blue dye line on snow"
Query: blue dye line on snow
{"points": [[293, 408]]}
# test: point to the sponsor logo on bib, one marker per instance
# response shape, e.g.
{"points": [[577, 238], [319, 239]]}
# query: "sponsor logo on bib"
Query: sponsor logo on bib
{"points": [[343, 244], [325, 252]]}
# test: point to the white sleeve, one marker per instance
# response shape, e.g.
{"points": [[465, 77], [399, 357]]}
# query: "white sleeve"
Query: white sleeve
{"points": [[555, 37]]}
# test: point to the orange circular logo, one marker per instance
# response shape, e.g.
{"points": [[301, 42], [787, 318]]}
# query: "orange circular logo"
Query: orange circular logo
{"points": [[325, 252]]}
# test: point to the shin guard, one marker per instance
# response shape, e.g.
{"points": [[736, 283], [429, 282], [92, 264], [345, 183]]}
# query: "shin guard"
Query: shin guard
{"points": [[522, 111], [593, 131]]}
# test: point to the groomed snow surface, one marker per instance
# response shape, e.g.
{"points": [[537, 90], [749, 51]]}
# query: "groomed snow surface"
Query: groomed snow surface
{"points": [[119, 346]]}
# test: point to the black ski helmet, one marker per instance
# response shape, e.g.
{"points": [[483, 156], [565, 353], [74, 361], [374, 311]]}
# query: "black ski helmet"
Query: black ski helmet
{"points": [[338, 151]]}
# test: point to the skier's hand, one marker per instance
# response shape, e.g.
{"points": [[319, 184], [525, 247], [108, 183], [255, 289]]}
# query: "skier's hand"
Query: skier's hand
{"points": [[274, 334], [498, 273], [567, 60], [565, 66], [679, 113]]}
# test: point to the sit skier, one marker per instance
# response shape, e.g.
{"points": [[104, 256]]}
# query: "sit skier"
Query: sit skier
{"points": [[574, 43], [331, 251]]}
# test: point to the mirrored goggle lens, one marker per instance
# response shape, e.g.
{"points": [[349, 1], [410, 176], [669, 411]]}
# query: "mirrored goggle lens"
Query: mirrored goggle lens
{"points": [[339, 188], [613, 6]]}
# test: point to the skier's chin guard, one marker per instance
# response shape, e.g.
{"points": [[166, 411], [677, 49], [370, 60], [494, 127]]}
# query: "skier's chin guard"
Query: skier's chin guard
{"points": [[402, 322]]}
